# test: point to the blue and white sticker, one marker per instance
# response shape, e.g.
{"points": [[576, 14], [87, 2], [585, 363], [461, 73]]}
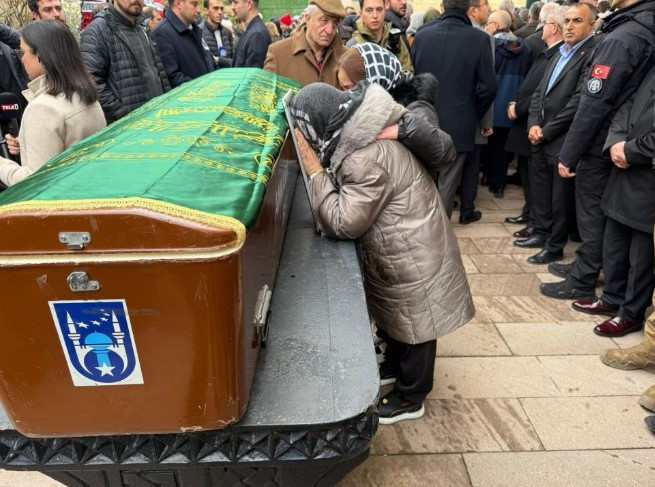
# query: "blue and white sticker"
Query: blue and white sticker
{"points": [[98, 343]]}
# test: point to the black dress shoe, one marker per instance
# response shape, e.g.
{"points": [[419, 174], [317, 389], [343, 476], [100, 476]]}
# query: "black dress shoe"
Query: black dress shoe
{"points": [[534, 242], [650, 423], [546, 257], [527, 232], [517, 219], [560, 270], [473, 217], [564, 290]]}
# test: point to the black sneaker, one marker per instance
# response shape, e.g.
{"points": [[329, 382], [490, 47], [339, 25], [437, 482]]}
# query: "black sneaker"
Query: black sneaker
{"points": [[560, 270], [564, 290], [393, 408], [387, 374]]}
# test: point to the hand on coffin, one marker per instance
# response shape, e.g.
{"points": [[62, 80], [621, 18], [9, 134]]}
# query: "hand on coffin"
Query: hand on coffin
{"points": [[308, 157]]}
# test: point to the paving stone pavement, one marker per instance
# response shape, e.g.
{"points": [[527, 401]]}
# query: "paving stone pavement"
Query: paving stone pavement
{"points": [[520, 397]]}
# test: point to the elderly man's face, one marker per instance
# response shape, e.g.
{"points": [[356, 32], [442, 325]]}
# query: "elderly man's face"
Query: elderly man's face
{"points": [[50, 10], [321, 28]]}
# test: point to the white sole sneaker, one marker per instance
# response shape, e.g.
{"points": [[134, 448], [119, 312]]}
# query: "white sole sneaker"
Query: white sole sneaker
{"points": [[405, 416], [388, 381]]}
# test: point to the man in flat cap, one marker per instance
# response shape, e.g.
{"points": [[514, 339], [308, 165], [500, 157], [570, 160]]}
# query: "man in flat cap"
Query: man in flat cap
{"points": [[312, 52]]}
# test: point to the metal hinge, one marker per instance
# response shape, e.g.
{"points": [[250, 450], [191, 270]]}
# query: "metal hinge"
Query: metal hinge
{"points": [[262, 314], [79, 281], [75, 240]]}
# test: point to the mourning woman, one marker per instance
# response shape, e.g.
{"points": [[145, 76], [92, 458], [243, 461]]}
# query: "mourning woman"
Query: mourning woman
{"points": [[419, 129], [63, 106], [376, 192]]}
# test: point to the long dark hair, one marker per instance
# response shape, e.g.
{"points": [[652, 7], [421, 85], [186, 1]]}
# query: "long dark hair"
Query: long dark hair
{"points": [[54, 44]]}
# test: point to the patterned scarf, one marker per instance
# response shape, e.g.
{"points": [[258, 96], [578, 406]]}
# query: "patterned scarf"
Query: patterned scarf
{"points": [[382, 67], [320, 111]]}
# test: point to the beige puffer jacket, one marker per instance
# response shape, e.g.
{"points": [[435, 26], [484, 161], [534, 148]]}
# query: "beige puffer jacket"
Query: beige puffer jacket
{"points": [[415, 281]]}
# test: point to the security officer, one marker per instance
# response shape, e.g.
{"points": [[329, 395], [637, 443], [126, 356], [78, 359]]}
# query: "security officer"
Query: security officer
{"points": [[619, 65], [630, 208]]}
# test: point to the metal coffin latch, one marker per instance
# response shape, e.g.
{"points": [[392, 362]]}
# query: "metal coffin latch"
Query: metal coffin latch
{"points": [[262, 314], [75, 240], [79, 281]]}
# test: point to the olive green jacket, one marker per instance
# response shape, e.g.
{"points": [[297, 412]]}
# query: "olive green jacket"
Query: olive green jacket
{"points": [[362, 35]]}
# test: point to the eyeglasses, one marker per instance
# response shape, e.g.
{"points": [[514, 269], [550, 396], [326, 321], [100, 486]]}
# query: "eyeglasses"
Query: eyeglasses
{"points": [[553, 23], [484, 4]]}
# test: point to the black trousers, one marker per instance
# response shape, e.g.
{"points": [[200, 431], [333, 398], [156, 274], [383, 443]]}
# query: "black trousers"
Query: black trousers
{"points": [[553, 201], [590, 181], [469, 184], [448, 181], [415, 367], [524, 172], [497, 159], [628, 268]]}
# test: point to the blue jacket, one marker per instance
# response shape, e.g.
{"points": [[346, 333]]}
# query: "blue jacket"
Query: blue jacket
{"points": [[182, 50], [253, 45], [513, 59]]}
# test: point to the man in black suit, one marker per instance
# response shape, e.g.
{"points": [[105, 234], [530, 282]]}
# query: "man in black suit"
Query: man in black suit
{"points": [[252, 47], [629, 205], [552, 109], [460, 58]]}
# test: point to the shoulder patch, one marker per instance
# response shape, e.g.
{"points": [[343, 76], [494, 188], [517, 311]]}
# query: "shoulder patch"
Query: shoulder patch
{"points": [[594, 85], [600, 71]]}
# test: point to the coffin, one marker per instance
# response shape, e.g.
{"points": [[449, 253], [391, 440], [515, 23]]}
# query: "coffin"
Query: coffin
{"points": [[136, 267]]}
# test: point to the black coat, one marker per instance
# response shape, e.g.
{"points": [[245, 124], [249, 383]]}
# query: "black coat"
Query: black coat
{"points": [[252, 47], [108, 56], [622, 59], [560, 104], [517, 140], [629, 194], [226, 38], [184, 52], [459, 55], [536, 43]]}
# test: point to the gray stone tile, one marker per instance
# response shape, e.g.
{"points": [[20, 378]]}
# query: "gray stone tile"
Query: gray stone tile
{"points": [[504, 284], [472, 339], [496, 264], [466, 246], [586, 375], [629, 340], [9, 478], [469, 266], [409, 471], [588, 423], [499, 245], [561, 469], [524, 309], [481, 230], [566, 338], [451, 426], [509, 204], [491, 377]]}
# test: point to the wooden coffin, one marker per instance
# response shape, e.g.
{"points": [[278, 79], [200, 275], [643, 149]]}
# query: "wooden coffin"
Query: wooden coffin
{"points": [[136, 268]]}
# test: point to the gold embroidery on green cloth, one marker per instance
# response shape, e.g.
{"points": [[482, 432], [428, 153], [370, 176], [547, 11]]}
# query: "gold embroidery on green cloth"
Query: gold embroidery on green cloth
{"points": [[216, 221]]}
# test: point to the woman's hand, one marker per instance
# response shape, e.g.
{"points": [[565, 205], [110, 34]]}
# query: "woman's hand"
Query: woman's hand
{"points": [[308, 157], [390, 132], [12, 144]]}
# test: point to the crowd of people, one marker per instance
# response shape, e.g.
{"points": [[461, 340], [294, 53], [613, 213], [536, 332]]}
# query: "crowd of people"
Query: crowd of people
{"points": [[400, 113]]}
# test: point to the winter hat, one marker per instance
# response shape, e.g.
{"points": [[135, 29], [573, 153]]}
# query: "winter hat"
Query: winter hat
{"points": [[286, 19]]}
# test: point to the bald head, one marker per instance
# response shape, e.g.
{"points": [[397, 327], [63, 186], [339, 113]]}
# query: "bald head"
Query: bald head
{"points": [[498, 20]]}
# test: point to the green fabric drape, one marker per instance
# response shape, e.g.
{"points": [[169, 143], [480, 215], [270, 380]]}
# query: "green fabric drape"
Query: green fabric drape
{"points": [[209, 145]]}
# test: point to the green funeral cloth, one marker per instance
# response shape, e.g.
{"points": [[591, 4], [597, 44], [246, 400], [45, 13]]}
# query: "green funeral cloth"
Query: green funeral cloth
{"points": [[208, 145]]}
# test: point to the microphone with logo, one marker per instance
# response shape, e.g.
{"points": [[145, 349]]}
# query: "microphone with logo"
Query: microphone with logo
{"points": [[9, 112]]}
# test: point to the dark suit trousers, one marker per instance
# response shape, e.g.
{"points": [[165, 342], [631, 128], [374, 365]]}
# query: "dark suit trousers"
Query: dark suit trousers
{"points": [[448, 181], [497, 158], [524, 172], [415, 367], [553, 203], [591, 178], [628, 268], [470, 179]]}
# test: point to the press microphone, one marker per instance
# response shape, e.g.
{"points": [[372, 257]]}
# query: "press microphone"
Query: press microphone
{"points": [[9, 111]]}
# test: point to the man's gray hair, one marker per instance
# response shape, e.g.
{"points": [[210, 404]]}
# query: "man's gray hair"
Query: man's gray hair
{"points": [[535, 8], [311, 9], [547, 10], [507, 6], [558, 16]]}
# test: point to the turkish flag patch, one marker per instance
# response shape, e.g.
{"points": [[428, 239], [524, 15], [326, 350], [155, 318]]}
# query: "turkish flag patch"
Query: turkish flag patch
{"points": [[599, 71]]}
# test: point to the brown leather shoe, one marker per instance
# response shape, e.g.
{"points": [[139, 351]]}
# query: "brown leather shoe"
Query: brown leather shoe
{"points": [[647, 399], [632, 358], [596, 307], [617, 327]]}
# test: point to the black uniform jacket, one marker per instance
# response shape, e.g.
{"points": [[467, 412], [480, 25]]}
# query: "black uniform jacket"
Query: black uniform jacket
{"points": [[459, 56], [517, 140], [560, 104], [618, 66], [252, 47], [629, 196]]}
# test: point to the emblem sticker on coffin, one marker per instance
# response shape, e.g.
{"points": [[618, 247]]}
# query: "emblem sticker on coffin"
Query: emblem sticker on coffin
{"points": [[98, 343]]}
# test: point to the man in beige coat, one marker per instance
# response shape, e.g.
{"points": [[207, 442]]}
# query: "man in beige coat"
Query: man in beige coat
{"points": [[311, 54]]}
